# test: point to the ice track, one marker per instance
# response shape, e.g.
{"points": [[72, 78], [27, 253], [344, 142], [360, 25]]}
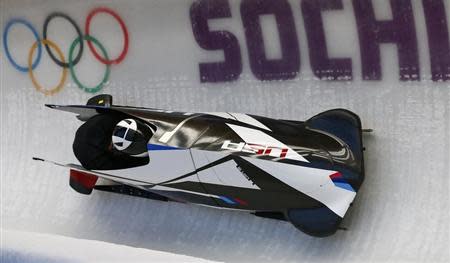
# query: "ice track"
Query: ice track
{"points": [[400, 214]]}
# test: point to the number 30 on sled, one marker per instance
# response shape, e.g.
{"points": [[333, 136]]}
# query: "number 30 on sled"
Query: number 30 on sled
{"points": [[307, 173]]}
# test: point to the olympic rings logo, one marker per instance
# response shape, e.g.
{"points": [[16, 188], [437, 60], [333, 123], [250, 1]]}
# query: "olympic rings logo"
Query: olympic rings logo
{"points": [[60, 59]]}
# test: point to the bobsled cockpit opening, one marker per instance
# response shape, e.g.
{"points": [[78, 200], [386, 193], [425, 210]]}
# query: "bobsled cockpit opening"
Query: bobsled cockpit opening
{"points": [[96, 145]]}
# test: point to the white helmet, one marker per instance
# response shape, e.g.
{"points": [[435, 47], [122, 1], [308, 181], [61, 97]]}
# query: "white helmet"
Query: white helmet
{"points": [[129, 138]]}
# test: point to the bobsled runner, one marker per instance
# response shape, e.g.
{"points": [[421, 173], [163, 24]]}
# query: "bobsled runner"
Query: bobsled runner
{"points": [[307, 173]]}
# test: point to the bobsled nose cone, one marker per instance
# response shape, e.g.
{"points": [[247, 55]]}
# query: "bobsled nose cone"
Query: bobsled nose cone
{"points": [[319, 222]]}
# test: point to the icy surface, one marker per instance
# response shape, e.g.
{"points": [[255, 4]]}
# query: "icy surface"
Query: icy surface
{"points": [[400, 214], [35, 247]]}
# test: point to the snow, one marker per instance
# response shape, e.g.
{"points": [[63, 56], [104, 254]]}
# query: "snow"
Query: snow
{"points": [[36, 247], [400, 214]]}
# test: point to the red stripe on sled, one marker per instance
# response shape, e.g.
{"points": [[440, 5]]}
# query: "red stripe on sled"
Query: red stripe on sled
{"points": [[335, 175], [241, 202], [85, 179]]}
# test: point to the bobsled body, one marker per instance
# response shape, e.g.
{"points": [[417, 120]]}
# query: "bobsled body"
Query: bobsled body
{"points": [[305, 172]]}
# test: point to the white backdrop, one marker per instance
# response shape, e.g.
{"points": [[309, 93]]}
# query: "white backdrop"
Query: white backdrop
{"points": [[400, 214]]}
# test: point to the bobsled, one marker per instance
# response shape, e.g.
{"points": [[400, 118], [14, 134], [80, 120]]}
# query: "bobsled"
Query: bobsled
{"points": [[305, 172]]}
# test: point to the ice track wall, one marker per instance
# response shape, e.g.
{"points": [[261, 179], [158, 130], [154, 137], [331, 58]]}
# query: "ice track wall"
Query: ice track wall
{"points": [[323, 54]]}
